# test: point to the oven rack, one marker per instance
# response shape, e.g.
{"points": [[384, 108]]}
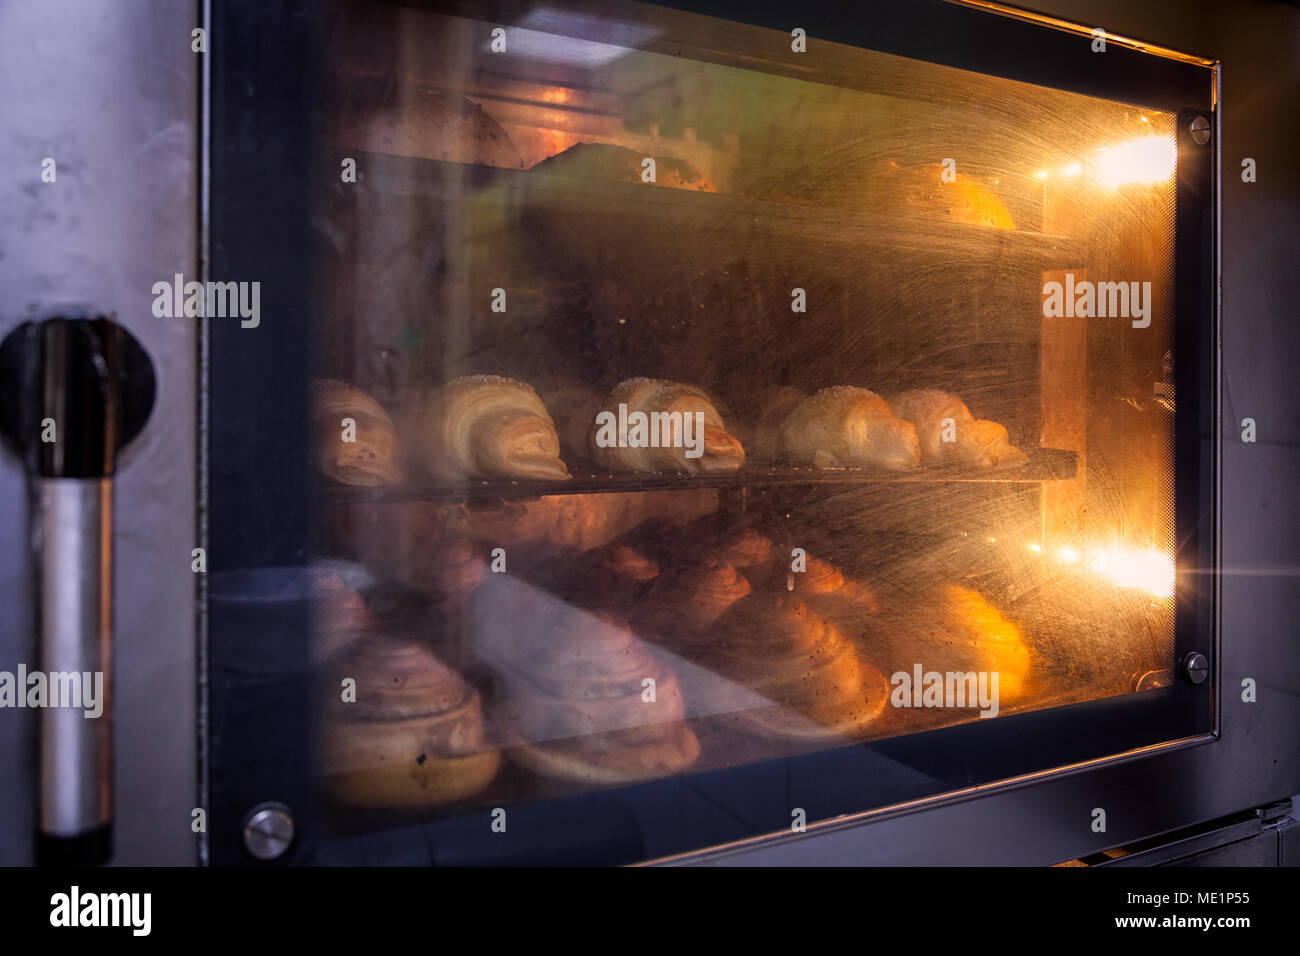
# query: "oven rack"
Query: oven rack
{"points": [[1045, 464]]}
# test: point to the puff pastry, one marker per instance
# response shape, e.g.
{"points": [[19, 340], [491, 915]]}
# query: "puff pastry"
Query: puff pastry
{"points": [[573, 691], [848, 427], [811, 678], [483, 426], [657, 401], [372, 458], [938, 415]]}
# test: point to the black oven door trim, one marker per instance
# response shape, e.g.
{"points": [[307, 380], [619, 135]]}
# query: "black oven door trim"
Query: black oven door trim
{"points": [[261, 203]]}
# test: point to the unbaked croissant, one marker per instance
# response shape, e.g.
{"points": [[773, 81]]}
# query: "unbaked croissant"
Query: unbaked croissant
{"points": [[656, 400], [371, 456], [971, 441], [848, 427], [484, 426]]}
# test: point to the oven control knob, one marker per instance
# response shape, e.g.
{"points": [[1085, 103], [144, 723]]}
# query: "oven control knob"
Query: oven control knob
{"points": [[268, 830], [1196, 667]]}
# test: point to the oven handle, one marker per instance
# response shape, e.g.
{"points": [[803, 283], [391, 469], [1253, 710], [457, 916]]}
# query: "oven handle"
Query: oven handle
{"points": [[80, 389]]}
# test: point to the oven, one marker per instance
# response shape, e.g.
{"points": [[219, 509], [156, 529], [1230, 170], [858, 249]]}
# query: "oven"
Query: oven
{"points": [[679, 433]]}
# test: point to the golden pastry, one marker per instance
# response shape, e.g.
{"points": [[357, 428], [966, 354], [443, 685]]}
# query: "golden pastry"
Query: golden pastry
{"points": [[483, 426], [848, 427], [809, 679], [362, 453], [948, 432], [683, 605], [574, 700], [847, 602], [652, 425], [412, 738]]}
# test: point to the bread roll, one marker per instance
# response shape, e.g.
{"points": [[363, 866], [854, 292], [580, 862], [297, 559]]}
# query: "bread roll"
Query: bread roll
{"points": [[483, 426], [671, 412], [621, 165], [365, 453], [848, 427], [940, 415], [414, 735]]}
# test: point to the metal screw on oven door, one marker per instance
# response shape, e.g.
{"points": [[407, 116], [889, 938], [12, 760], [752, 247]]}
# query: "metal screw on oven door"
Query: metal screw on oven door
{"points": [[268, 830], [1200, 129], [1196, 667]]}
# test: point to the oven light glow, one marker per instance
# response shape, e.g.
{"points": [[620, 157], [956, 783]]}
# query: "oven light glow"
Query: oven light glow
{"points": [[1068, 555], [1150, 159], [1041, 174], [1151, 570], [1074, 169], [1036, 548]]}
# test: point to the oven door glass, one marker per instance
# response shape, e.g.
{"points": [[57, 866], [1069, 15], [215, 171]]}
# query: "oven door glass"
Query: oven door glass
{"points": [[664, 430]]}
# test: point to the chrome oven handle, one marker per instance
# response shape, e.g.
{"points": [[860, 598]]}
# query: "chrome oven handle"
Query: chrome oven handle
{"points": [[79, 388]]}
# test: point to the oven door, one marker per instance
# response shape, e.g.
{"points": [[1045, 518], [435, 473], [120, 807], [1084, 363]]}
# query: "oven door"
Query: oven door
{"points": [[940, 285]]}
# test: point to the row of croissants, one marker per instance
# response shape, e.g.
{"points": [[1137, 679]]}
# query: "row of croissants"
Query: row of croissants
{"points": [[492, 427], [610, 670]]}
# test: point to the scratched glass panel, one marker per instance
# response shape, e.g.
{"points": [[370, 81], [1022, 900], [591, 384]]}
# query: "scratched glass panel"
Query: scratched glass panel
{"points": [[711, 405]]}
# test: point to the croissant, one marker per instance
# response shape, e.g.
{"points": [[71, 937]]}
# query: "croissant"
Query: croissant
{"points": [[366, 453], [484, 426], [636, 430], [948, 432], [848, 427]]}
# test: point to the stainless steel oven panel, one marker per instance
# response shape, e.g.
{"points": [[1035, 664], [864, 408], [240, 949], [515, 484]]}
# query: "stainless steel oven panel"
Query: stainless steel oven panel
{"points": [[110, 92]]}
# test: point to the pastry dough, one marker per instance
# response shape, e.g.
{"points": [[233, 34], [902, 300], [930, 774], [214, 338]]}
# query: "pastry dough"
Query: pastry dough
{"points": [[978, 442], [683, 605], [483, 426], [412, 738], [843, 600], [653, 399], [573, 689], [372, 459], [810, 677], [848, 427], [622, 165]]}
